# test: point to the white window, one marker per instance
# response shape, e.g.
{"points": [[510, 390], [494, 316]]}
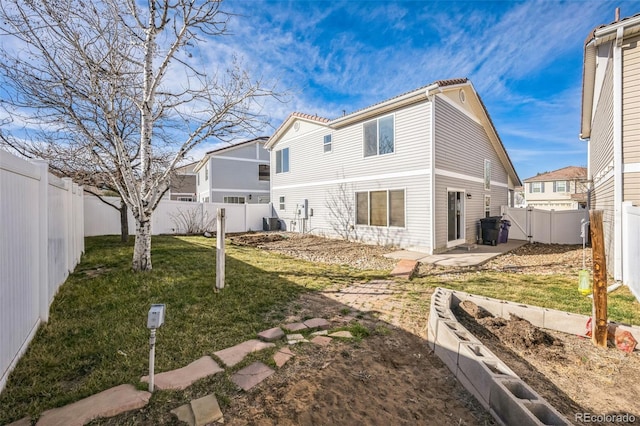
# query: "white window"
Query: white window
{"points": [[380, 208], [487, 205], [185, 199], [282, 161], [327, 143], [281, 203], [487, 175], [206, 173], [536, 187], [560, 186], [233, 200], [378, 136], [264, 172]]}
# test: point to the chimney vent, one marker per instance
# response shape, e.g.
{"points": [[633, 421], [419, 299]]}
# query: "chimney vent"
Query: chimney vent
{"points": [[617, 14]]}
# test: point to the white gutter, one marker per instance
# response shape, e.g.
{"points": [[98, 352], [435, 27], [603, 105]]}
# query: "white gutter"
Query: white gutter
{"points": [[617, 152], [611, 32]]}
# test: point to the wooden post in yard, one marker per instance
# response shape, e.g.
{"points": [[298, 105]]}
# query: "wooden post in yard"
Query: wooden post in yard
{"points": [[599, 318], [220, 250]]}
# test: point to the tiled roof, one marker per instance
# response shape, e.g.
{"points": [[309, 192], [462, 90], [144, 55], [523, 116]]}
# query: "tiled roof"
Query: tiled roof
{"points": [[566, 173], [309, 117]]}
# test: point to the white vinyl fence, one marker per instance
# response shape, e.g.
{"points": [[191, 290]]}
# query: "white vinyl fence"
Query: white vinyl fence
{"points": [[175, 217], [545, 226], [41, 221], [631, 248]]}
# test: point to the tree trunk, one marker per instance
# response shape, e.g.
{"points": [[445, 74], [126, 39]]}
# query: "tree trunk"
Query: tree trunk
{"points": [[124, 223], [142, 246]]}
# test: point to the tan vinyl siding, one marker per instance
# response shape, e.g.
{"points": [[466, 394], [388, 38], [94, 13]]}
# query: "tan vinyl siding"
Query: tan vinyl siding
{"points": [[602, 199], [601, 142], [631, 101], [462, 144], [631, 185]]}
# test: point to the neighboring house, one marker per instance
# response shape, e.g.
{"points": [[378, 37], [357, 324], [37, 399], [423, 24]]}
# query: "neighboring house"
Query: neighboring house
{"points": [[418, 170], [236, 174], [611, 123], [562, 189], [183, 184]]}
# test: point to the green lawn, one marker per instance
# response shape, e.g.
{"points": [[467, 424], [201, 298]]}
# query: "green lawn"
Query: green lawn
{"points": [[97, 338]]}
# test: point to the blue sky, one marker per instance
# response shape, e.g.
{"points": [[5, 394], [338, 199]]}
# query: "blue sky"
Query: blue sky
{"points": [[524, 59]]}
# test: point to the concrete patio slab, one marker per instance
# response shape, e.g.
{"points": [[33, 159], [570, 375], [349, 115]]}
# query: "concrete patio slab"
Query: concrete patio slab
{"points": [[459, 257], [252, 375], [271, 334], [107, 403], [283, 356], [184, 377], [233, 355]]}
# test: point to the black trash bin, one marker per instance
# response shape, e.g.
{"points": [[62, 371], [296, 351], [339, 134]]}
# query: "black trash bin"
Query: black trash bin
{"points": [[490, 230], [504, 230]]}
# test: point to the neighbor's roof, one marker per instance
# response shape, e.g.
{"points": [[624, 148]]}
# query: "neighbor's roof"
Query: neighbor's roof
{"points": [[599, 35], [566, 173], [259, 139]]}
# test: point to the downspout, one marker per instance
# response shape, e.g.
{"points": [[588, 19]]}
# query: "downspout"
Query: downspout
{"points": [[617, 154]]}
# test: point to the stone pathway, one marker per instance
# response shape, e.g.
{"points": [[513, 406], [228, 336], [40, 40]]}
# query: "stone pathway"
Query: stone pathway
{"points": [[201, 411]]}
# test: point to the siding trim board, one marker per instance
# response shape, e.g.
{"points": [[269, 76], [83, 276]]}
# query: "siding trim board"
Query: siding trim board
{"points": [[250, 160], [263, 191], [631, 168], [411, 173], [461, 176]]}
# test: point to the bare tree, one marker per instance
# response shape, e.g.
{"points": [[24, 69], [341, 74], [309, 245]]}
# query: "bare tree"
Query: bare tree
{"points": [[342, 211], [122, 83]]}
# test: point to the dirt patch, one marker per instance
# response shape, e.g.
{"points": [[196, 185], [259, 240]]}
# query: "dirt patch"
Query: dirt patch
{"points": [[566, 370], [389, 377]]}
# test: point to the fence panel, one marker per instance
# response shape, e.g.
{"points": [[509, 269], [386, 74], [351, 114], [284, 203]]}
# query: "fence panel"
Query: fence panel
{"points": [[631, 248], [545, 226], [38, 248]]}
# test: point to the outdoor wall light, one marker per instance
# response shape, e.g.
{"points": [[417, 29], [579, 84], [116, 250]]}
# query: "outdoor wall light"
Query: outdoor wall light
{"points": [[468, 196]]}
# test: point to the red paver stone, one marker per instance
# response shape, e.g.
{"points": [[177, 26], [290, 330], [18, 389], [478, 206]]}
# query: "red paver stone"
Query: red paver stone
{"points": [[405, 268], [320, 323], [107, 403], [295, 326], [282, 356], [252, 375], [272, 334], [321, 340], [233, 355], [183, 377]]}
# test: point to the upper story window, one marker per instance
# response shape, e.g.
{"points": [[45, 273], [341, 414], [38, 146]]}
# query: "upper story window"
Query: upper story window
{"points": [[264, 172], [282, 160], [560, 186], [327, 143], [206, 173], [536, 187], [487, 175], [379, 136]]}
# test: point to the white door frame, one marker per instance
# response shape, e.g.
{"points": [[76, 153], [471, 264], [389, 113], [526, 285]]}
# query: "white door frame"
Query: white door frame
{"points": [[462, 229]]}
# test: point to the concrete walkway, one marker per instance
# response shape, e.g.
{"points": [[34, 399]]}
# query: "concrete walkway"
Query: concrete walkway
{"points": [[474, 255]]}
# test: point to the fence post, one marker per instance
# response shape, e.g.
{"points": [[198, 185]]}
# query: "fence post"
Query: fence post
{"points": [[220, 250], [599, 320], [68, 215], [42, 263]]}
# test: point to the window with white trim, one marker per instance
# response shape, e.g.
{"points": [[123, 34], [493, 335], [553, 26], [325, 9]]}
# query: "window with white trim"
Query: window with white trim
{"points": [[536, 187], [379, 136], [487, 175], [233, 200], [282, 160], [327, 143], [282, 203], [381, 208], [264, 172], [560, 186]]}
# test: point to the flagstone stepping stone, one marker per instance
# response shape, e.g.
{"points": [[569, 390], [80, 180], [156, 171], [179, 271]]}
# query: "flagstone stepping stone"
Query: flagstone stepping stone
{"points": [[26, 421], [317, 323], [292, 339], [320, 333], [250, 376], [233, 355], [107, 403], [200, 412], [344, 334], [321, 340], [184, 377], [282, 356], [271, 335], [184, 413], [295, 326]]}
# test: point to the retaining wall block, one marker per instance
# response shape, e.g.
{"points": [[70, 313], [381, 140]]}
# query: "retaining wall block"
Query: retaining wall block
{"points": [[532, 314], [565, 322], [466, 383], [515, 403]]}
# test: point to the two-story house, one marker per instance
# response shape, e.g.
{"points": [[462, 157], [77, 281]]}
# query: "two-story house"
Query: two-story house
{"points": [[416, 171], [183, 184], [611, 124], [237, 174], [562, 189]]}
